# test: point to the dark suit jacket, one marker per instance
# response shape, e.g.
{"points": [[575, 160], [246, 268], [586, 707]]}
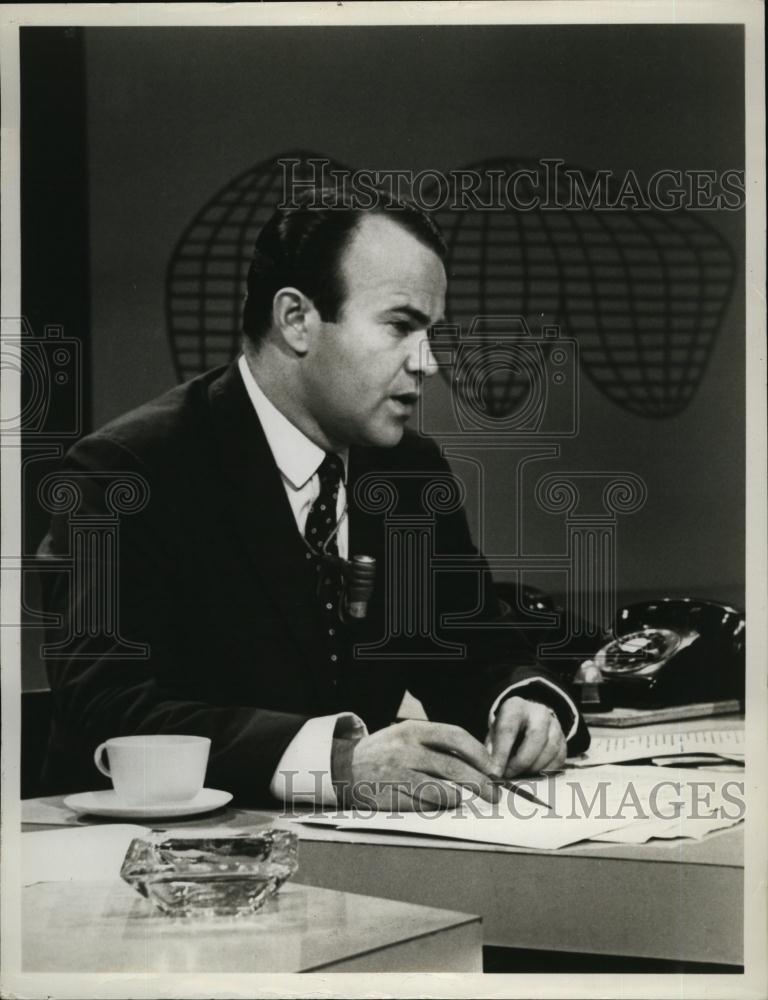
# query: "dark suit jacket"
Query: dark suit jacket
{"points": [[213, 577]]}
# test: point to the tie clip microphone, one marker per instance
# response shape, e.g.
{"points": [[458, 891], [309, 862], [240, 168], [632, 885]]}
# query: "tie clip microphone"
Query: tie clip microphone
{"points": [[360, 576]]}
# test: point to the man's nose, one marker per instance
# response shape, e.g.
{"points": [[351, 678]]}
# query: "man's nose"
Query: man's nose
{"points": [[420, 359]]}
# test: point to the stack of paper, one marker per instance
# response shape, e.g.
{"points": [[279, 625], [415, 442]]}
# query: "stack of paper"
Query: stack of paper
{"points": [[726, 743], [668, 803], [499, 827], [617, 804]]}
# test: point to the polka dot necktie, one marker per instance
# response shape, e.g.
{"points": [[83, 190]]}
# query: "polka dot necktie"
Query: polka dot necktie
{"points": [[321, 536]]}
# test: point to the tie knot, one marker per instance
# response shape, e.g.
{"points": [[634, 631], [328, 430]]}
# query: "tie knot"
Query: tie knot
{"points": [[331, 471]]}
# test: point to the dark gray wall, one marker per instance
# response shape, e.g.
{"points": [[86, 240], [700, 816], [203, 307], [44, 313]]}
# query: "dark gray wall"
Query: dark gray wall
{"points": [[174, 114]]}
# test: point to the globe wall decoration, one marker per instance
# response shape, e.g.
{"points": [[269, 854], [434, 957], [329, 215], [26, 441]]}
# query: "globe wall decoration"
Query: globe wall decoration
{"points": [[639, 294], [642, 293], [205, 278]]}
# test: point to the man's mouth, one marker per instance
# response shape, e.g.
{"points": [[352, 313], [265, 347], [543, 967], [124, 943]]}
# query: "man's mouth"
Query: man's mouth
{"points": [[407, 399]]}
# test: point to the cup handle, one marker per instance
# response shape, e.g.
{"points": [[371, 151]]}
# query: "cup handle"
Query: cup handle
{"points": [[98, 761]]}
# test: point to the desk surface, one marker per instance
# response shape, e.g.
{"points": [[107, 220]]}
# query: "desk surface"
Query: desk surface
{"points": [[100, 927], [681, 900]]}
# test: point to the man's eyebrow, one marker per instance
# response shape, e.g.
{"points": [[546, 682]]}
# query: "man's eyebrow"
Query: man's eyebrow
{"points": [[415, 314]]}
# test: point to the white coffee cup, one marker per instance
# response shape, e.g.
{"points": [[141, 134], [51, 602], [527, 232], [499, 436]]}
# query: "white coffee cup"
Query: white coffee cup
{"points": [[149, 770]]}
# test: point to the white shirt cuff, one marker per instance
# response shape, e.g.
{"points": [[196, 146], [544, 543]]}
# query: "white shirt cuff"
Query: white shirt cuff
{"points": [[536, 681], [304, 771]]}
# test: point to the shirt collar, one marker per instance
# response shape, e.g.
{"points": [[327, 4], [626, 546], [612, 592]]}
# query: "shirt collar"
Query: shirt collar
{"points": [[297, 458]]}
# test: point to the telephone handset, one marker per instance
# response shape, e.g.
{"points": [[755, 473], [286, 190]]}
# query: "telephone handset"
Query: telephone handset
{"points": [[669, 652]]}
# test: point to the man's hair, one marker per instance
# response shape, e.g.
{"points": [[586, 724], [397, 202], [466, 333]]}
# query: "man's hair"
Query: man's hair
{"points": [[301, 247]]}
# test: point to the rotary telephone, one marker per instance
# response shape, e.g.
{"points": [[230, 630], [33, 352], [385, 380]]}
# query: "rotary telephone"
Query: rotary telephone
{"points": [[670, 652], [659, 653]]}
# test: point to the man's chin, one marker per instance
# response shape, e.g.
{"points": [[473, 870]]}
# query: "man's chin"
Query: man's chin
{"points": [[386, 436]]}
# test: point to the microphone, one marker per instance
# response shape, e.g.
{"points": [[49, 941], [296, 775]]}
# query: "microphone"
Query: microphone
{"points": [[360, 577]]}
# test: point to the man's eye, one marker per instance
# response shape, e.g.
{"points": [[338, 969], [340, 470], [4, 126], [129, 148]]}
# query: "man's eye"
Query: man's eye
{"points": [[402, 326]]}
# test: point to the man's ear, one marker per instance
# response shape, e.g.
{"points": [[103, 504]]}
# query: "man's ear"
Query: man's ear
{"points": [[294, 317]]}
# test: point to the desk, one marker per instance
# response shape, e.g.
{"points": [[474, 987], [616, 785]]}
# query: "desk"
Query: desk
{"points": [[106, 927], [679, 900]]}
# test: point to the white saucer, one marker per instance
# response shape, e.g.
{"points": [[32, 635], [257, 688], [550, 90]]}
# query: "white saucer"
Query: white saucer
{"points": [[107, 803]]}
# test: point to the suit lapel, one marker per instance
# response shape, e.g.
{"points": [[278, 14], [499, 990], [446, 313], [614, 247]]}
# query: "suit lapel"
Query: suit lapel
{"points": [[254, 498]]}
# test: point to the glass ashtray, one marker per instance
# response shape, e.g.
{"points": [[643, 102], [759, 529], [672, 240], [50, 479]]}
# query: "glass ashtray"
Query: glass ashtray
{"points": [[210, 875]]}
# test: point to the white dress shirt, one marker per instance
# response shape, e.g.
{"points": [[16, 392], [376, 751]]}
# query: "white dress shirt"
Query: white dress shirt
{"points": [[298, 460], [303, 773]]}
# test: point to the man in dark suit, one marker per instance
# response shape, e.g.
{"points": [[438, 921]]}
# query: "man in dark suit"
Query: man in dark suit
{"points": [[261, 479]]}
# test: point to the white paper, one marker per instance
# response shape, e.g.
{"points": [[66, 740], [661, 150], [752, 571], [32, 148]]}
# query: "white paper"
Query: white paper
{"points": [[728, 743], [618, 803], [91, 853], [539, 833], [641, 832]]}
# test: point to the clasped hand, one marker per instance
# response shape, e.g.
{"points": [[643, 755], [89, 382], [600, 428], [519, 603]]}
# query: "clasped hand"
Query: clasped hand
{"points": [[419, 763]]}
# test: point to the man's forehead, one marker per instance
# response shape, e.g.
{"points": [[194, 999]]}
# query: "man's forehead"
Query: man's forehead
{"points": [[384, 257]]}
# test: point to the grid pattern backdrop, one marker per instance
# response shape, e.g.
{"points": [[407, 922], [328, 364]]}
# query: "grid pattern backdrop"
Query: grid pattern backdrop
{"points": [[644, 293]]}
